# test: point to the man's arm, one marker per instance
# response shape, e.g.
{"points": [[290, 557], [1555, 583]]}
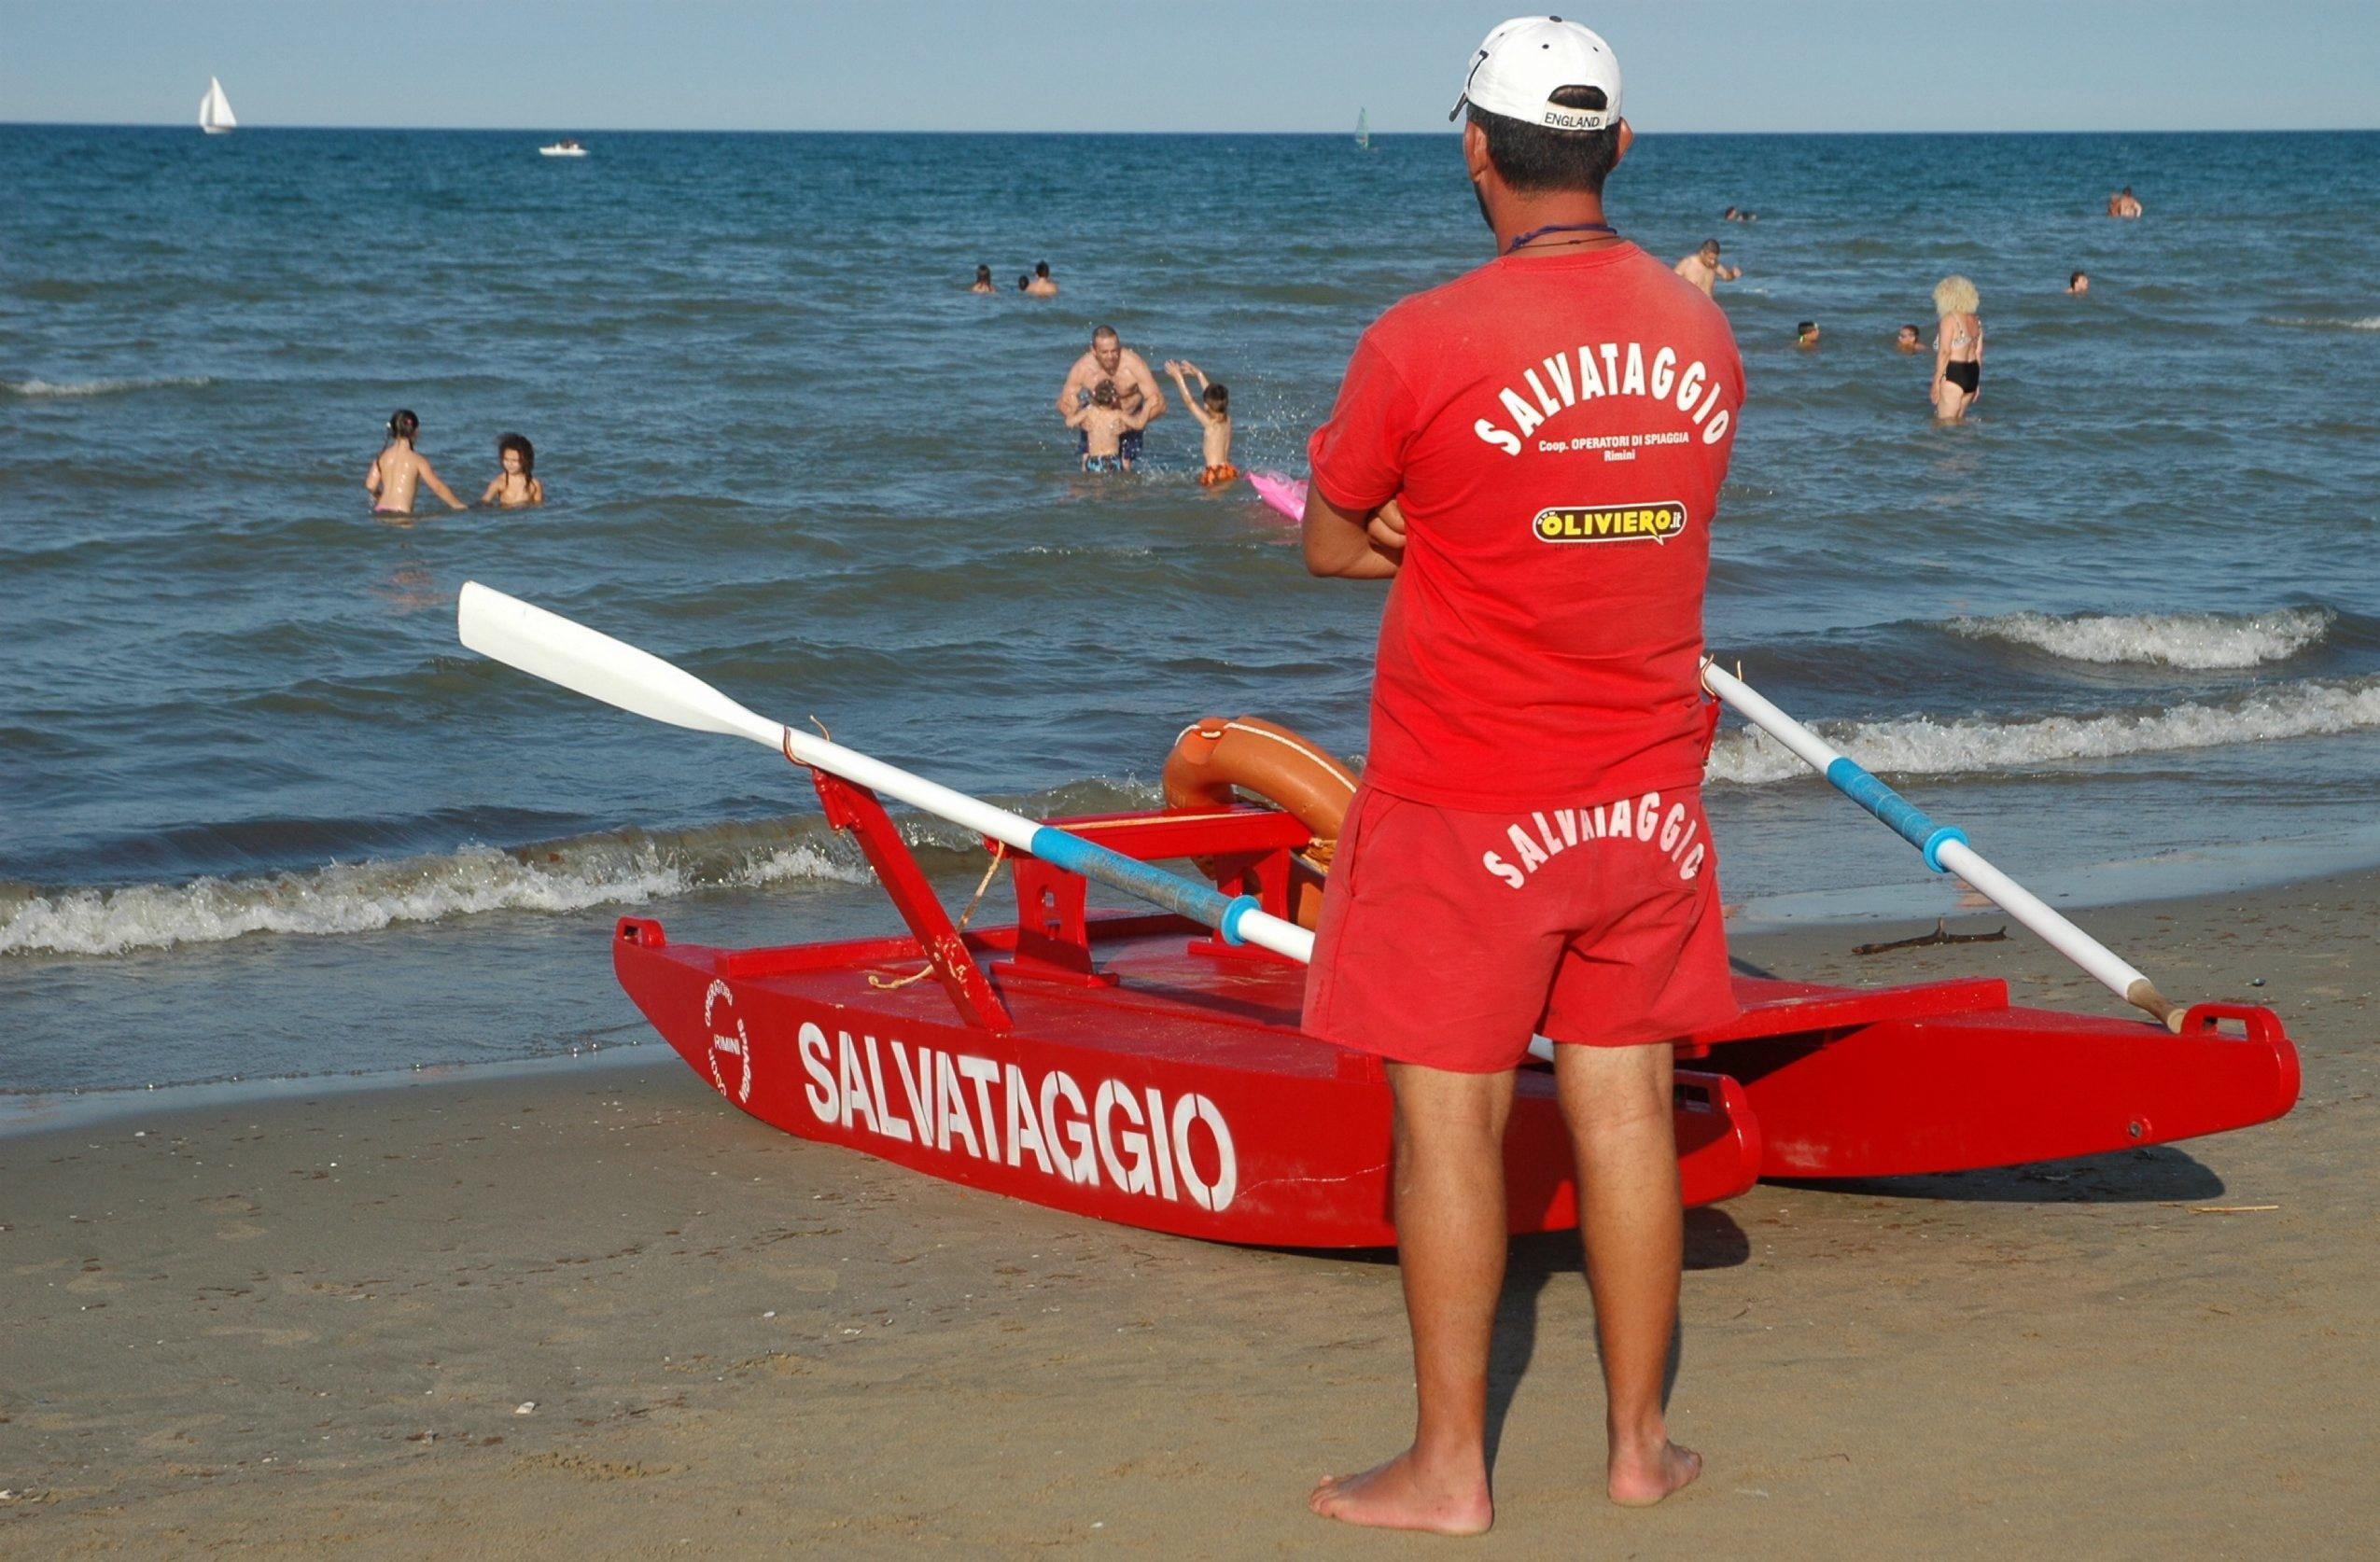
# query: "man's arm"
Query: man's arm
{"points": [[429, 475], [1135, 369], [1349, 547], [1068, 395]]}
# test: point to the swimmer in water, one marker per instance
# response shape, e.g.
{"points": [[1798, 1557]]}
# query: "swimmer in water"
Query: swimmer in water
{"points": [[1704, 269], [1211, 407], [392, 474], [1042, 287], [1806, 334], [2078, 283], [1958, 349], [1104, 423], [1911, 339], [2123, 204], [516, 486], [983, 281]]}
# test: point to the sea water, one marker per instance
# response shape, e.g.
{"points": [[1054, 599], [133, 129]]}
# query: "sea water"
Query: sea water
{"points": [[260, 815]]}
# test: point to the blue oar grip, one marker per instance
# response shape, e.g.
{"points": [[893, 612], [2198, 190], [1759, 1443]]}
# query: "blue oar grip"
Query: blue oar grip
{"points": [[1113, 868], [1905, 820], [1229, 926]]}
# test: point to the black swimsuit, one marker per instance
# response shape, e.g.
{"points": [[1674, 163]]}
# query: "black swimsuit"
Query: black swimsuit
{"points": [[1966, 376]]}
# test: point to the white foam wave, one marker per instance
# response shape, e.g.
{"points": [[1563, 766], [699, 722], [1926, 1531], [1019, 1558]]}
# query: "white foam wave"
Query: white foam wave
{"points": [[2195, 640], [358, 897], [2329, 322], [1920, 746], [53, 388]]}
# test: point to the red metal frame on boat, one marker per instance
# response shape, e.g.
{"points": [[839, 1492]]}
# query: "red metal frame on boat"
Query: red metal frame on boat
{"points": [[1135, 1069]]}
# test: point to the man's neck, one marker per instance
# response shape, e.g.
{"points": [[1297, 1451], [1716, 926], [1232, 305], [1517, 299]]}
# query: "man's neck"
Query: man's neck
{"points": [[1513, 219]]}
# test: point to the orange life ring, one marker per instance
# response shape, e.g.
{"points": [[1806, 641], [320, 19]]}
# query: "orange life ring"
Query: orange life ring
{"points": [[1305, 780]]}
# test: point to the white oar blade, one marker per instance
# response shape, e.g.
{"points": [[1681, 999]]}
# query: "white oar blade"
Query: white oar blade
{"points": [[551, 647]]}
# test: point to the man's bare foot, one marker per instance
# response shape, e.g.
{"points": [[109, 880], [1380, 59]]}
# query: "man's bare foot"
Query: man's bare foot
{"points": [[1399, 1496], [1639, 1480]]}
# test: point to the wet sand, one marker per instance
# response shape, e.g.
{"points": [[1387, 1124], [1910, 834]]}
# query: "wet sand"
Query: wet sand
{"points": [[596, 1309]]}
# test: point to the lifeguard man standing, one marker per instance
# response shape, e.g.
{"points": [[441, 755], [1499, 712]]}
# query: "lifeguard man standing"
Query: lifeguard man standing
{"points": [[1533, 452]]}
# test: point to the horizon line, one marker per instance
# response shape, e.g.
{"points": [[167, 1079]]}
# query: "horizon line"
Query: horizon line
{"points": [[1184, 135]]}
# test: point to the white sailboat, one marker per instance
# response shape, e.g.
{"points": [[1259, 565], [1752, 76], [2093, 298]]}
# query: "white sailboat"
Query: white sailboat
{"points": [[1363, 131], [215, 111]]}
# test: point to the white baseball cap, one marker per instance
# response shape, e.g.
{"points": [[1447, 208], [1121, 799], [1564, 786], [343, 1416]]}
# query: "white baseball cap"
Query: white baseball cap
{"points": [[1523, 63]]}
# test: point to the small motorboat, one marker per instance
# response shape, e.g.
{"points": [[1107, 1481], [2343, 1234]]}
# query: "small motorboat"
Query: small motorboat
{"points": [[563, 149]]}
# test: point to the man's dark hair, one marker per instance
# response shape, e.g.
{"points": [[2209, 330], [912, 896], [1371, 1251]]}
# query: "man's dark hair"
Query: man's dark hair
{"points": [[1107, 332], [2076, 277], [1803, 328], [1217, 399], [1531, 157], [1912, 330], [1040, 268]]}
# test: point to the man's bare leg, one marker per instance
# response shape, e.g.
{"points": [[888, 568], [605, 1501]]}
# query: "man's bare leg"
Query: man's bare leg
{"points": [[1631, 1214], [1450, 1247]]}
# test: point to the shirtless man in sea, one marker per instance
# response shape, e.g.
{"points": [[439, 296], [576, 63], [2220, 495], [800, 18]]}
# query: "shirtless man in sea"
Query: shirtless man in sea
{"points": [[395, 472], [1136, 388], [2123, 204], [1704, 269], [1041, 286]]}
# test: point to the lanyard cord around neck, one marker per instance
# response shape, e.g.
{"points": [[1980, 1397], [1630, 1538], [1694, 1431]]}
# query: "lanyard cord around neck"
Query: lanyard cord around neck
{"points": [[1536, 233]]}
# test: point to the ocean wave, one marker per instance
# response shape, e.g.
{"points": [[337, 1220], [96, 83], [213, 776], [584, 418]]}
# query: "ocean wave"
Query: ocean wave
{"points": [[2199, 641], [366, 896], [619, 867], [1920, 746], [2327, 322], [61, 388]]}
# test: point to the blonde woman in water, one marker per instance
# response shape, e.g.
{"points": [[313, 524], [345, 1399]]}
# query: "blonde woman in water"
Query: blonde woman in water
{"points": [[1958, 348]]}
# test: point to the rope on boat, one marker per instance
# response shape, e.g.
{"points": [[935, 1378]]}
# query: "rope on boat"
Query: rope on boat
{"points": [[999, 854]]}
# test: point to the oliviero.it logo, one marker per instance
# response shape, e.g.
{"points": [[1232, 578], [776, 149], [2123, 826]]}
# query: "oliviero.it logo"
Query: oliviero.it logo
{"points": [[1637, 523]]}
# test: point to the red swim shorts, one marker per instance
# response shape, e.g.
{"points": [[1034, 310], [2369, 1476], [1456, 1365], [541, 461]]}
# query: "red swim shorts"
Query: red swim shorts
{"points": [[1448, 938]]}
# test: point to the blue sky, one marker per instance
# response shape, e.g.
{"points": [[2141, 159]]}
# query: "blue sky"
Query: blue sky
{"points": [[1219, 64]]}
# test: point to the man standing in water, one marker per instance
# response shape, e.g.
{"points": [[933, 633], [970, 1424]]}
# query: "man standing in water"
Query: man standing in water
{"points": [[1704, 269], [1531, 454], [1136, 387]]}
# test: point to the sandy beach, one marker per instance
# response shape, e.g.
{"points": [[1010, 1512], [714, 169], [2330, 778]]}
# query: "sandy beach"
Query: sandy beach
{"points": [[592, 1308]]}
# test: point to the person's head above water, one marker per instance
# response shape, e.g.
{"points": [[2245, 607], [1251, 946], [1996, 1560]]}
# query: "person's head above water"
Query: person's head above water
{"points": [[1023, 283], [1103, 394], [403, 425], [1543, 128], [1217, 399], [1805, 332], [1956, 295], [1908, 336], [983, 276], [1041, 269], [517, 454], [1107, 348], [2079, 282], [1710, 251]]}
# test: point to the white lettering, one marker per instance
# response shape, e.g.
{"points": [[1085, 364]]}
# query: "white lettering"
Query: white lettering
{"points": [[1671, 822], [1503, 870], [1218, 1193], [1024, 1130], [1083, 1166], [921, 1101], [950, 1109], [1113, 1098], [820, 1092], [1537, 386], [1558, 371], [1714, 431], [1503, 439], [1164, 1146], [982, 1071], [892, 1127], [1632, 383], [1524, 417], [856, 1102], [1647, 810], [1530, 858], [1690, 385], [1664, 370]]}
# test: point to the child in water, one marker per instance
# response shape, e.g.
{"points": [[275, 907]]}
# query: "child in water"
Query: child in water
{"points": [[400, 468], [1103, 422], [1211, 407], [516, 486]]}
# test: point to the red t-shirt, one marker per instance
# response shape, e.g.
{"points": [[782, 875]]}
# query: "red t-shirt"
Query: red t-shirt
{"points": [[1555, 429]]}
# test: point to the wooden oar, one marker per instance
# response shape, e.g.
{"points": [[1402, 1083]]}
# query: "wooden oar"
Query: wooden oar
{"points": [[578, 658], [1945, 847]]}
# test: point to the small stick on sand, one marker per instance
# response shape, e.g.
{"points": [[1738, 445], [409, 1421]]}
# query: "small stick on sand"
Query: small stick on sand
{"points": [[1942, 934]]}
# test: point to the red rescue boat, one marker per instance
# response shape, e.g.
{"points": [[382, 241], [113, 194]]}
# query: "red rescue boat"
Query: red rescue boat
{"points": [[1137, 1069]]}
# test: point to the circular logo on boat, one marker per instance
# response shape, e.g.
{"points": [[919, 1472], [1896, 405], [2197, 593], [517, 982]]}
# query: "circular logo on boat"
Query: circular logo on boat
{"points": [[720, 1003]]}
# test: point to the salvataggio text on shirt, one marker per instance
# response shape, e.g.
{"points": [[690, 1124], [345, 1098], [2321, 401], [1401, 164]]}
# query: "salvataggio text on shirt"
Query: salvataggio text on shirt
{"points": [[1600, 370]]}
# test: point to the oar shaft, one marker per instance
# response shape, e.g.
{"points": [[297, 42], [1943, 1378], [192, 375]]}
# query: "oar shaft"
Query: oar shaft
{"points": [[1945, 847]]}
